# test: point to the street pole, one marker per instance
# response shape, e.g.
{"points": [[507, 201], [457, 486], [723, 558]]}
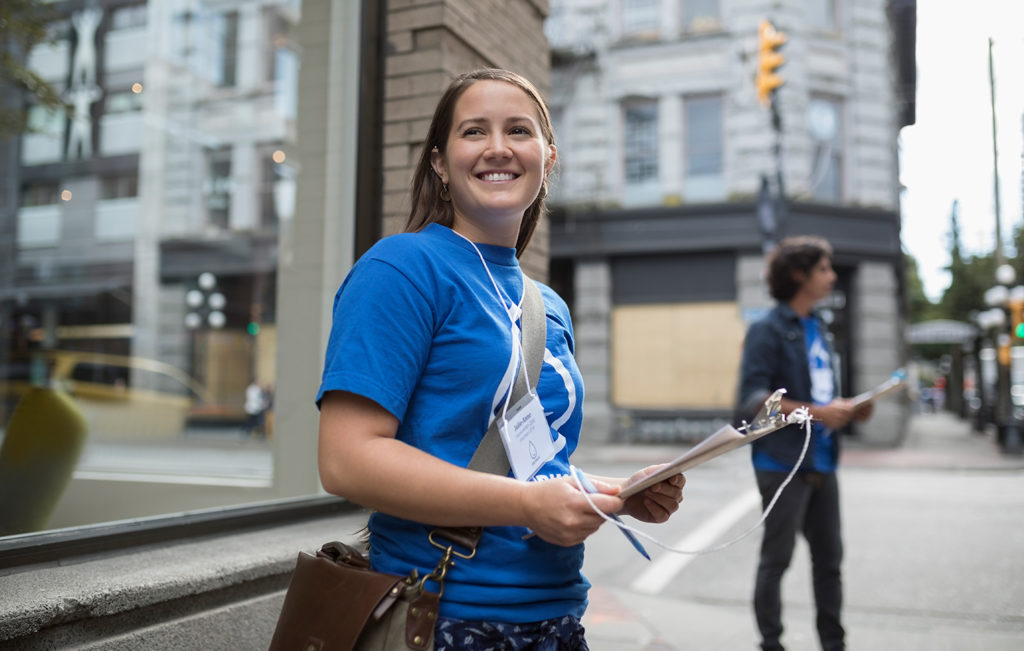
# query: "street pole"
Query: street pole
{"points": [[1009, 434], [780, 205], [999, 257]]}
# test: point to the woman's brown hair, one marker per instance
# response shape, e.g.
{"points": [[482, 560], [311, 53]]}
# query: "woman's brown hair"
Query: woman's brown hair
{"points": [[427, 205]]}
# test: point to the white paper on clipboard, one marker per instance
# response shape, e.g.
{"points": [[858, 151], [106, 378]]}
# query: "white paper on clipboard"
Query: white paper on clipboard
{"points": [[768, 420], [896, 381]]}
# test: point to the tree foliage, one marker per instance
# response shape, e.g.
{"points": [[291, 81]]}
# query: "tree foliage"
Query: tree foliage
{"points": [[970, 277], [23, 25], [919, 306]]}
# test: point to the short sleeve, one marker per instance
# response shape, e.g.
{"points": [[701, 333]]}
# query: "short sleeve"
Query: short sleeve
{"points": [[380, 336]]}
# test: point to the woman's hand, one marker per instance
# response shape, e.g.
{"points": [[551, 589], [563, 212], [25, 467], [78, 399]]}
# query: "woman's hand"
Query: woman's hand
{"points": [[560, 514], [659, 501]]}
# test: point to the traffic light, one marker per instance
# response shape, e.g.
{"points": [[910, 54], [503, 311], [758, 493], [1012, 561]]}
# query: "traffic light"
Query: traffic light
{"points": [[1017, 318], [769, 40]]}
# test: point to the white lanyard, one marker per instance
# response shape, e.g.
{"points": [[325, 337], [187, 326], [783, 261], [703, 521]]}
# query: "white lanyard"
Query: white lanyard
{"points": [[513, 312]]}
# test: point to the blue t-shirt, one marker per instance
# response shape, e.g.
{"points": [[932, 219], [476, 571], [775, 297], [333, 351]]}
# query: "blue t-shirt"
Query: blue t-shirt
{"points": [[419, 329], [822, 392], [819, 365]]}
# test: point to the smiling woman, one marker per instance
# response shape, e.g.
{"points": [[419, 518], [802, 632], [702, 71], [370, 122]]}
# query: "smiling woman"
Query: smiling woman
{"points": [[415, 376], [496, 161], [430, 204]]}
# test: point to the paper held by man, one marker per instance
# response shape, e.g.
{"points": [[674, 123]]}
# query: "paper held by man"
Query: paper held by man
{"points": [[769, 419], [896, 381]]}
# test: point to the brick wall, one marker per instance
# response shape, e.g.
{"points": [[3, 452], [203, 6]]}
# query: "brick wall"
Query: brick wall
{"points": [[428, 43]]}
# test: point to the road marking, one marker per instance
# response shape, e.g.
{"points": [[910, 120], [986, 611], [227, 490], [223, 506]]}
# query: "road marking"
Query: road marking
{"points": [[665, 567]]}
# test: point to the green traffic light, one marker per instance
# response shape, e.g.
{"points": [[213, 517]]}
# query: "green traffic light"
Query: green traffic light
{"points": [[253, 328], [1019, 330]]}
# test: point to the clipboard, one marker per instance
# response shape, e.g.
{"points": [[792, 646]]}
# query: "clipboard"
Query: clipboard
{"points": [[769, 419], [896, 381]]}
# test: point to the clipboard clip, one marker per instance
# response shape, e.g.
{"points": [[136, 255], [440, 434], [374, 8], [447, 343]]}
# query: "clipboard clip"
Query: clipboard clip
{"points": [[769, 418]]}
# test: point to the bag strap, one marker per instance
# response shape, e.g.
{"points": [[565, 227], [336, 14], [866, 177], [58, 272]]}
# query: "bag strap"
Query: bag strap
{"points": [[490, 455]]}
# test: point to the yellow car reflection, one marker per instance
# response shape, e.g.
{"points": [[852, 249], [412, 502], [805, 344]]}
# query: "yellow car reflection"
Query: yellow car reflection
{"points": [[121, 397]]}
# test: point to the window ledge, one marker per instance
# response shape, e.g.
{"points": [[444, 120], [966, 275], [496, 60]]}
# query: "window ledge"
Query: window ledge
{"points": [[169, 585]]}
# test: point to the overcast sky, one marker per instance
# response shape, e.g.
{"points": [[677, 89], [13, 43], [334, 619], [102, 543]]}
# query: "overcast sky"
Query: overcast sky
{"points": [[947, 154]]}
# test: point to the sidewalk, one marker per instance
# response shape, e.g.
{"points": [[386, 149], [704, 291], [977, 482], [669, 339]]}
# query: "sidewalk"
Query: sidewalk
{"points": [[937, 441], [619, 619]]}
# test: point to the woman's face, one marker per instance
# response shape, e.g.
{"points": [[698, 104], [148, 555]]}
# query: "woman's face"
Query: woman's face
{"points": [[495, 161]]}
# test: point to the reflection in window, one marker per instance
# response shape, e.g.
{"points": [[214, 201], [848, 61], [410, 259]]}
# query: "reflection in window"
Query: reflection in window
{"points": [[641, 18], [124, 101], [641, 141], [277, 189], [40, 193], [218, 187], [128, 17], [95, 284], [703, 130], [701, 15], [224, 47], [119, 186], [42, 119], [286, 82]]}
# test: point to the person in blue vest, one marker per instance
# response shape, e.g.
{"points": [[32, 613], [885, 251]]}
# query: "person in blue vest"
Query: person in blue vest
{"points": [[791, 348], [422, 354]]}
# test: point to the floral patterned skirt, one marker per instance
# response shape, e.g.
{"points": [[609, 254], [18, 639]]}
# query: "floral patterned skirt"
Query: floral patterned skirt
{"points": [[561, 634]]}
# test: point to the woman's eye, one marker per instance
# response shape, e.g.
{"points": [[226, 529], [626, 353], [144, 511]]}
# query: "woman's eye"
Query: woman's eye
{"points": [[472, 131], [519, 131]]}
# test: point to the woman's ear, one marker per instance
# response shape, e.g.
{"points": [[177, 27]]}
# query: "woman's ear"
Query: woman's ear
{"points": [[550, 164], [438, 163]]}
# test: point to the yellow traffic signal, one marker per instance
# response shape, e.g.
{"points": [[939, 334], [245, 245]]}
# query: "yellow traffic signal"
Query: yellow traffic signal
{"points": [[769, 40], [1017, 318]]}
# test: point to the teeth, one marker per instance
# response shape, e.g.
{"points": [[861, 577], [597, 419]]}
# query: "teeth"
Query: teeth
{"points": [[498, 176]]}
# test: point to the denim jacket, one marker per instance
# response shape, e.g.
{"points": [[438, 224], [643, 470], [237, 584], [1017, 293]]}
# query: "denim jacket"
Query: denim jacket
{"points": [[775, 356]]}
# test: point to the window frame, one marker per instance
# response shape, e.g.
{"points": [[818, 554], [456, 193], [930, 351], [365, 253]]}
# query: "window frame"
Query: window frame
{"points": [[688, 104], [294, 492], [834, 149], [645, 153]]}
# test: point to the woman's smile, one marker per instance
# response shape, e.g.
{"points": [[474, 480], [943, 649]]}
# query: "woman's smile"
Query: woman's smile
{"points": [[495, 161]]}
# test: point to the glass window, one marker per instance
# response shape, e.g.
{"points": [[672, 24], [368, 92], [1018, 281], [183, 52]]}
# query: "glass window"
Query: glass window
{"points": [[128, 17], [701, 15], [223, 42], [277, 188], [40, 193], [641, 141], [703, 128], [825, 123], [119, 186], [822, 14], [641, 17], [123, 101], [142, 286], [218, 187]]}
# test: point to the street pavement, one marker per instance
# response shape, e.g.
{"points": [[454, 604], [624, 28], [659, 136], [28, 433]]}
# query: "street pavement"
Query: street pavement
{"points": [[934, 539]]}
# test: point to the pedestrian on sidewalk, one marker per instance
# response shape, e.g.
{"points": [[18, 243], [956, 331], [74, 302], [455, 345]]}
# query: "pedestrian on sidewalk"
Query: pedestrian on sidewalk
{"points": [[791, 348], [423, 351]]}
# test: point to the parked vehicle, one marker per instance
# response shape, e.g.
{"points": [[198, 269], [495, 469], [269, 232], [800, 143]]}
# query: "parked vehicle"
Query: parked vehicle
{"points": [[122, 397]]}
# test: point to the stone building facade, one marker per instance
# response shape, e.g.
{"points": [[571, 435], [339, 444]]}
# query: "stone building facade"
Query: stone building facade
{"points": [[664, 154]]}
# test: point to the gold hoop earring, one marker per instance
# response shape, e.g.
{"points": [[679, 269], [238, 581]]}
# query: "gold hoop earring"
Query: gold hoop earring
{"points": [[445, 195]]}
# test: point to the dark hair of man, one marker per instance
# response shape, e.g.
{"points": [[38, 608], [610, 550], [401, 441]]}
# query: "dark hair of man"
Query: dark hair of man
{"points": [[427, 205], [792, 256]]}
